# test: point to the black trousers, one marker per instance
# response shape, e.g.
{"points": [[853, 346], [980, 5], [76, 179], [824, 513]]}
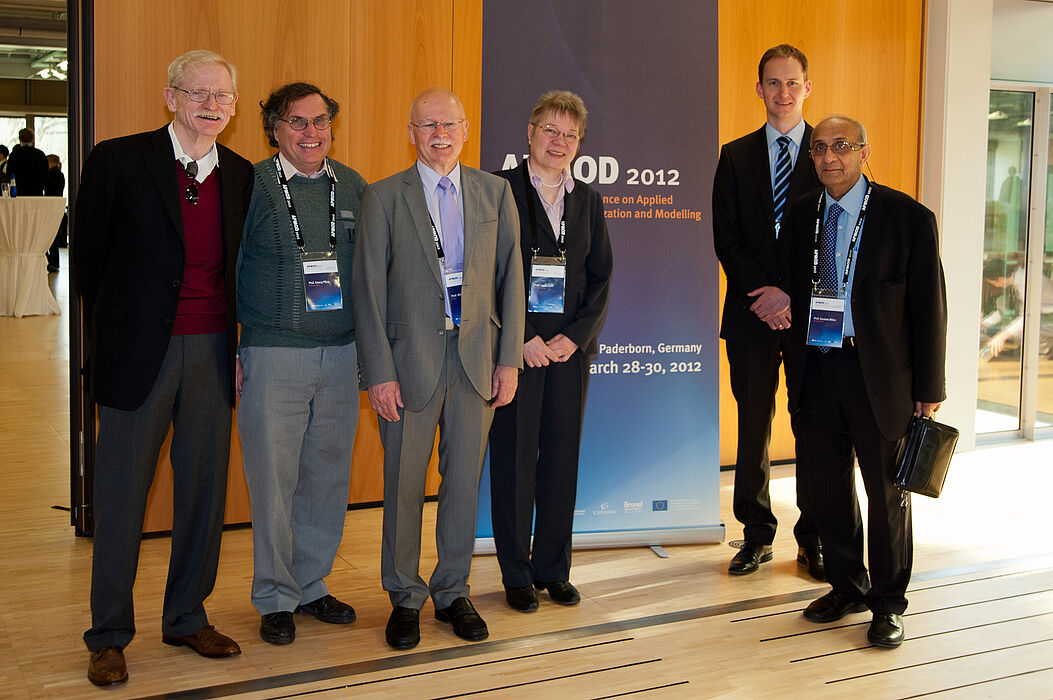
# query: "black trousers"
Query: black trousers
{"points": [[534, 445], [836, 428], [754, 368]]}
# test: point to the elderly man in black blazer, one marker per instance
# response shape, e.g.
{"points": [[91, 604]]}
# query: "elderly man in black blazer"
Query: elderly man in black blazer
{"points": [[757, 177], [870, 324], [156, 232]]}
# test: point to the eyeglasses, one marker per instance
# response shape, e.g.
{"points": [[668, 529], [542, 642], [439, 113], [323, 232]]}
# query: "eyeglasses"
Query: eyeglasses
{"points": [[223, 98], [552, 132], [838, 147], [431, 127], [191, 189], [299, 123]]}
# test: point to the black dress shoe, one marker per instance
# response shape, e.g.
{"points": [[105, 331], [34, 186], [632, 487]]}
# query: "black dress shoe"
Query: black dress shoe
{"points": [[329, 609], [466, 622], [886, 630], [832, 607], [106, 666], [278, 628], [812, 557], [562, 592], [751, 555], [403, 630], [522, 599]]}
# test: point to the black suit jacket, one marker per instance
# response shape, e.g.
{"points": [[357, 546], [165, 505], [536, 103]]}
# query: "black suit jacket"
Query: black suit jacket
{"points": [[589, 260], [744, 224], [128, 256], [899, 303], [29, 166]]}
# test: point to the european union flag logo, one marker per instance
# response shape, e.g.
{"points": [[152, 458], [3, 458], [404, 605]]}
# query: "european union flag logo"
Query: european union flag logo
{"points": [[660, 505]]}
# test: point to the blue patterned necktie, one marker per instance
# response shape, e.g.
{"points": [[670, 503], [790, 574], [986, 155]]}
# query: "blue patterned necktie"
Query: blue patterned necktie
{"points": [[828, 253], [781, 184], [828, 249]]}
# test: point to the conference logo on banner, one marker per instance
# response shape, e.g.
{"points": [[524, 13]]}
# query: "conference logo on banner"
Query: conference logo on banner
{"points": [[649, 470]]}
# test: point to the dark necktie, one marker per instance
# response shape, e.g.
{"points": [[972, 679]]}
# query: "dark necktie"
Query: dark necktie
{"points": [[828, 253], [781, 184], [828, 249]]}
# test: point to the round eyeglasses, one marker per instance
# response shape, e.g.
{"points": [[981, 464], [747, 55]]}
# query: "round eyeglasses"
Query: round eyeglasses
{"points": [[299, 123]]}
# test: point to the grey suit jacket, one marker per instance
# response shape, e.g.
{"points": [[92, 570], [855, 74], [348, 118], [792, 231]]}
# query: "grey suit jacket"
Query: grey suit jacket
{"points": [[398, 291]]}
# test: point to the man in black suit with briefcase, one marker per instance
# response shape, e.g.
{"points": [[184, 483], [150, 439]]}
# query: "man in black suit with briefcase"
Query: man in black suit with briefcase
{"points": [[862, 267]]}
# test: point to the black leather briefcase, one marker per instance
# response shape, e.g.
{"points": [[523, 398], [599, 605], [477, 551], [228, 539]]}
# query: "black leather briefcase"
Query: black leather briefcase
{"points": [[924, 456]]}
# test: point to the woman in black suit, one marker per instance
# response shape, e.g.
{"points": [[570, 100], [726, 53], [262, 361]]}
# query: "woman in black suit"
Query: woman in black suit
{"points": [[534, 441]]}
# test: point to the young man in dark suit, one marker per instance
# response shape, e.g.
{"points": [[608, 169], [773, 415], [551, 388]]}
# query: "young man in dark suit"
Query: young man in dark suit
{"points": [[869, 339], [758, 175], [156, 232]]}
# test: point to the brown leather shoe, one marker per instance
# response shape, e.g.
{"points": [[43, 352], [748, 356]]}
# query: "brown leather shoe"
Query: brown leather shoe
{"points": [[107, 667], [207, 642]]}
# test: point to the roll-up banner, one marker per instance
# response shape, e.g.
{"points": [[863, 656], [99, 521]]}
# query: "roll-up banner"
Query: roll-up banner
{"points": [[647, 71]]}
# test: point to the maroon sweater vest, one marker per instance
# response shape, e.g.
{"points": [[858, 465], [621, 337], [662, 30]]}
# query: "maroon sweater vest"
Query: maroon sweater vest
{"points": [[202, 295]]}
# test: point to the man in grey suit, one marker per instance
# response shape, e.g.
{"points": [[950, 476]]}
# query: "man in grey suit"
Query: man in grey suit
{"points": [[431, 356]]}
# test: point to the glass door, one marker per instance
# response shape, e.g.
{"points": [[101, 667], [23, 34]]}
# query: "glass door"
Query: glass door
{"points": [[1015, 390]]}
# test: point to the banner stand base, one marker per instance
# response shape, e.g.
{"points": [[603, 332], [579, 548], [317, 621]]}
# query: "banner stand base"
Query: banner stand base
{"points": [[629, 538]]}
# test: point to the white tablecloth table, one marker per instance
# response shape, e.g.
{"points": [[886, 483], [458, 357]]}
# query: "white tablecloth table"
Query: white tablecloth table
{"points": [[27, 228]]}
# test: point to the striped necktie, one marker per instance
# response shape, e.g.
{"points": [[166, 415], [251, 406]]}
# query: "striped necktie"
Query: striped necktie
{"points": [[781, 185]]}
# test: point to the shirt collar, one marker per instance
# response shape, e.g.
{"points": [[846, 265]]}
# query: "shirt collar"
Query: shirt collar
{"points": [[535, 179], [290, 170], [852, 201], [430, 178], [796, 134], [205, 164]]}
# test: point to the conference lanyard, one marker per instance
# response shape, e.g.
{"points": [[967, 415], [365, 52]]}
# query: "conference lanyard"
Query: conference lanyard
{"points": [[452, 279], [546, 286], [284, 184], [851, 244], [532, 209]]}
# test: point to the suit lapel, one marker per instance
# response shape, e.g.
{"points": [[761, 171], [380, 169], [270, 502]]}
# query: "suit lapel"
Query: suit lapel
{"points": [[160, 161], [470, 214], [227, 195], [762, 171], [571, 211], [870, 236], [413, 195]]}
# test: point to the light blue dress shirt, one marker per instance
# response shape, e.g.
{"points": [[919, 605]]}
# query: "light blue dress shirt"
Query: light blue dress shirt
{"points": [[796, 134], [851, 202]]}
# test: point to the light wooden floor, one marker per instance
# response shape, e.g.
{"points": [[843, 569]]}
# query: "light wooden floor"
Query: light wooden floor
{"points": [[980, 622]]}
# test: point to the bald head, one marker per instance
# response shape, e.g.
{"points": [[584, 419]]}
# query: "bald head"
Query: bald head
{"points": [[431, 97], [438, 129]]}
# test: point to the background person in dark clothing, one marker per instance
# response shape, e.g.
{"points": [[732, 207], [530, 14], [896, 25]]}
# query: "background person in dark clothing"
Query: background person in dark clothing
{"points": [[54, 186], [28, 166]]}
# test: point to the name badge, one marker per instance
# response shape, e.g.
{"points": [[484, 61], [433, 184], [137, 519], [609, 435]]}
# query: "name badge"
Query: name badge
{"points": [[321, 282], [453, 293], [826, 321], [548, 277]]}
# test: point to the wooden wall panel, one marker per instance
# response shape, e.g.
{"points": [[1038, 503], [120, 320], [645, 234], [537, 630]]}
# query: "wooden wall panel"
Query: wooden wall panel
{"points": [[865, 60], [374, 56]]}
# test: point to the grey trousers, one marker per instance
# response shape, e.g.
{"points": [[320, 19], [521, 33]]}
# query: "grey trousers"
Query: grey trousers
{"points": [[191, 393], [297, 418], [463, 418]]}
